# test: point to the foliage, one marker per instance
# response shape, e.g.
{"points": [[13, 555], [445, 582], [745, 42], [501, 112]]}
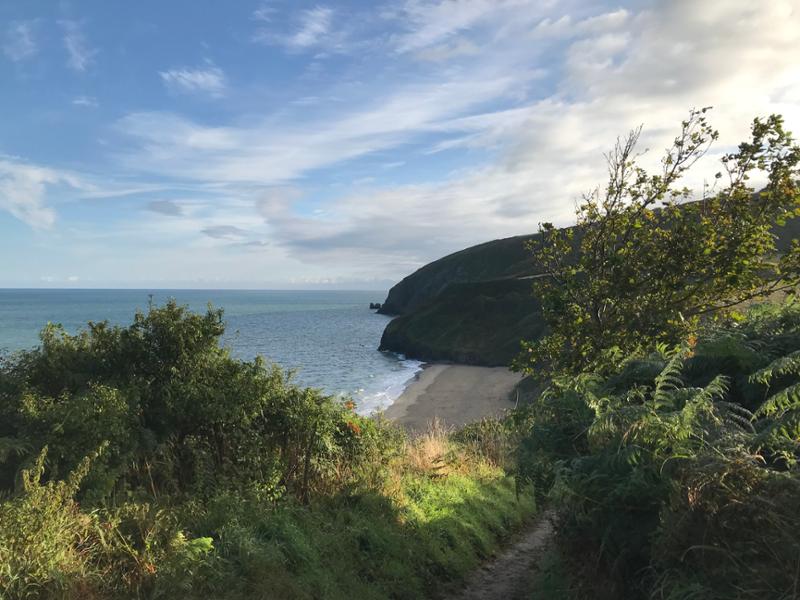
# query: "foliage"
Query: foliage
{"points": [[679, 471], [642, 265], [214, 477], [478, 322], [44, 539], [181, 416]]}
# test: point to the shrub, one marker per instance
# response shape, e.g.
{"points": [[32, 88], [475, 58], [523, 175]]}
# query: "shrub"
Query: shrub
{"points": [[680, 470], [46, 544]]}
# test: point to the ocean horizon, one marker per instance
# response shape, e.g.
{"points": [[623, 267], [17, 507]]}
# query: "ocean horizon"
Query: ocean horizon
{"points": [[328, 338]]}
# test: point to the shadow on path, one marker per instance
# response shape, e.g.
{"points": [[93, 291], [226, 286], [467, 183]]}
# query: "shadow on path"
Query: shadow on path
{"points": [[509, 575]]}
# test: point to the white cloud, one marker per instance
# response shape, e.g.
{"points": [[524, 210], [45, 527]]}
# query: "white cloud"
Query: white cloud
{"points": [[271, 151], [314, 30], [23, 190], [620, 69], [431, 22], [19, 42], [206, 80], [315, 24], [541, 124], [27, 190], [80, 55], [86, 101], [456, 48], [533, 92], [264, 12]]}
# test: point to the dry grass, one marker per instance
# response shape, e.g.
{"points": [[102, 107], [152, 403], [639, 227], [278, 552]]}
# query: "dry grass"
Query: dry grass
{"points": [[429, 452], [488, 440]]}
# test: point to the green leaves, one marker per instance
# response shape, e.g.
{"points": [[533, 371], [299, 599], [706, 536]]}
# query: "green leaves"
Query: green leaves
{"points": [[642, 265], [180, 415], [680, 470]]}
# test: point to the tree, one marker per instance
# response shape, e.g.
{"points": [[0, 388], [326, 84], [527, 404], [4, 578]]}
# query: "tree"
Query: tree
{"points": [[646, 261]]}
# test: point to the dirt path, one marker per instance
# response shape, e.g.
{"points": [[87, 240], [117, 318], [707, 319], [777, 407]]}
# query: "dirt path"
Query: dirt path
{"points": [[508, 576]]}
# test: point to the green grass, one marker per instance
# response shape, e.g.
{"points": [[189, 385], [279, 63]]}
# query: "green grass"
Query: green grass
{"points": [[414, 533], [367, 546]]}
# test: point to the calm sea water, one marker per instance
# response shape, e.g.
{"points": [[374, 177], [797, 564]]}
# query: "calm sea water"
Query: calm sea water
{"points": [[329, 337]]}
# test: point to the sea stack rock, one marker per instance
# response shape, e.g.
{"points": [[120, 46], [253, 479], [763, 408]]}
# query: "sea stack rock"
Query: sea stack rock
{"points": [[375, 305]]}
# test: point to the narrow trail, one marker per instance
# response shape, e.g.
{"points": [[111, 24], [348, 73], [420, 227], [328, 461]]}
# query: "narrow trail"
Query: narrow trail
{"points": [[508, 576]]}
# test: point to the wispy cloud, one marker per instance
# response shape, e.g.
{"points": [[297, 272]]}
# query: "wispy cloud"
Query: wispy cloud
{"points": [[269, 152], [169, 208], [468, 119], [313, 30], [315, 24], [80, 55], [264, 12], [431, 22], [19, 42], [614, 77], [208, 80], [85, 101], [23, 190]]}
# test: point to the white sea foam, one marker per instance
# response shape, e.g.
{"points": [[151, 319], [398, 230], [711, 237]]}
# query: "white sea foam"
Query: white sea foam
{"points": [[380, 394]]}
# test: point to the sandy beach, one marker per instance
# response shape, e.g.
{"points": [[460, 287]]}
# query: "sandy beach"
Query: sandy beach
{"points": [[455, 394]]}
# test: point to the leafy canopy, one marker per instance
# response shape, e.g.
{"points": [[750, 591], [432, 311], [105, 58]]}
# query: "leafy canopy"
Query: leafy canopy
{"points": [[644, 263]]}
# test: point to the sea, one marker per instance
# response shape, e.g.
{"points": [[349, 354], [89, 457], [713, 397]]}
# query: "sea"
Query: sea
{"points": [[329, 339]]}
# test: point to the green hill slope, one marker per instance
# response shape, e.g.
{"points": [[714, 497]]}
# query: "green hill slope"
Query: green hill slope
{"points": [[474, 306], [498, 259], [472, 323]]}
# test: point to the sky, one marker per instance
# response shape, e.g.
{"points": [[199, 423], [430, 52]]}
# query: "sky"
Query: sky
{"points": [[288, 144]]}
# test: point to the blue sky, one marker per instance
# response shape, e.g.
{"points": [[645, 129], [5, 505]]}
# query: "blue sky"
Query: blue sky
{"points": [[285, 144]]}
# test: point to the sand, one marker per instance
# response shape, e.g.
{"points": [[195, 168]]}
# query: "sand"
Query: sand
{"points": [[455, 394]]}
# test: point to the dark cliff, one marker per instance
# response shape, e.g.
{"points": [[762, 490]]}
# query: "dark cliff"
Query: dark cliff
{"points": [[478, 323], [476, 305], [499, 259]]}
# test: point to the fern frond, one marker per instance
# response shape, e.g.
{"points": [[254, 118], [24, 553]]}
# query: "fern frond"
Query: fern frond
{"points": [[779, 403], [12, 446], [668, 380], [716, 389], [782, 431], [785, 365]]}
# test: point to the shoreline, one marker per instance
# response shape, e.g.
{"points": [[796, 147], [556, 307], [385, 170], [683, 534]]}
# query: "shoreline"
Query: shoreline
{"points": [[453, 394]]}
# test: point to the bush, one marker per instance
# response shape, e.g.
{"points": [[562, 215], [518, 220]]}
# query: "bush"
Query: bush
{"points": [[45, 539], [219, 478], [680, 471], [180, 415]]}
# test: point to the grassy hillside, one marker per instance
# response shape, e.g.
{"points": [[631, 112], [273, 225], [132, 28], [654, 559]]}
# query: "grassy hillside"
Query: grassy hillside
{"points": [[472, 323], [459, 309], [498, 259]]}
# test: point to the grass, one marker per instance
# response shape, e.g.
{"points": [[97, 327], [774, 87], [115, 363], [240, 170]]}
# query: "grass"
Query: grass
{"points": [[436, 512], [478, 323], [439, 513]]}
